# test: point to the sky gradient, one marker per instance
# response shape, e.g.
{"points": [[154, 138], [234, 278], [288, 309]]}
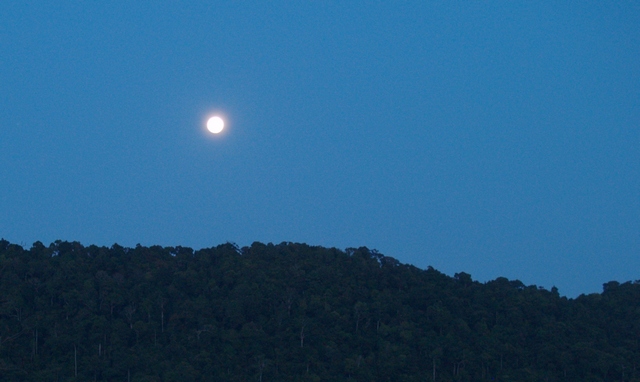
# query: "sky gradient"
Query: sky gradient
{"points": [[497, 139]]}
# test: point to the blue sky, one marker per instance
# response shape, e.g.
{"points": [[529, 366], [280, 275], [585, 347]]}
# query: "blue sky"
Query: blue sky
{"points": [[494, 138]]}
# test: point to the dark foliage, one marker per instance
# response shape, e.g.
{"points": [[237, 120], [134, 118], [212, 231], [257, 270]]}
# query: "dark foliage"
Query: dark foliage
{"points": [[292, 312]]}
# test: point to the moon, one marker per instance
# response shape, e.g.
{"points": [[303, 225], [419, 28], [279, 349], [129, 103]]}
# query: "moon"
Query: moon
{"points": [[215, 124]]}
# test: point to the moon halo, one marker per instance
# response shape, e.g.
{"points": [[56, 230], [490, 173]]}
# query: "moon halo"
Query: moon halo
{"points": [[215, 124]]}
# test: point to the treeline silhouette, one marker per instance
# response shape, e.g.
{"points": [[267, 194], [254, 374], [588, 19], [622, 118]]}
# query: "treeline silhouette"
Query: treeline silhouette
{"points": [[294, 312]]}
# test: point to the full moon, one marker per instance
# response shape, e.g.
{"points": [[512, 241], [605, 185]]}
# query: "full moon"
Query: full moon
{"points": [[215, 125]]}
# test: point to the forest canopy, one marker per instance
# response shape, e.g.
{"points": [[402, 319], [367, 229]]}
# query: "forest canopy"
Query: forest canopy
{"points": [[294, 312]]}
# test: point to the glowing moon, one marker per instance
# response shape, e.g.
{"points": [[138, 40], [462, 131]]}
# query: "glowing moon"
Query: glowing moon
{"points": [[215, 125]]}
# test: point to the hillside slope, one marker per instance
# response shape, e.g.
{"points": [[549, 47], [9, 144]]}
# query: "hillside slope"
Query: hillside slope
{"points": [[293, 312]]}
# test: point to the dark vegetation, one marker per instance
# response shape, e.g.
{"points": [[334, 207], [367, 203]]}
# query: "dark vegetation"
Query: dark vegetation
{"points": [[292, 312]]}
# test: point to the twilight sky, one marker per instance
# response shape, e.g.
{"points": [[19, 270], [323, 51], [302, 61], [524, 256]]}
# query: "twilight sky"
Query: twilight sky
{"points": [[495, 138]]}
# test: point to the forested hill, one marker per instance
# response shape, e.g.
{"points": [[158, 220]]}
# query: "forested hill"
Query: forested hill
{"points": [[293, 312]]}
